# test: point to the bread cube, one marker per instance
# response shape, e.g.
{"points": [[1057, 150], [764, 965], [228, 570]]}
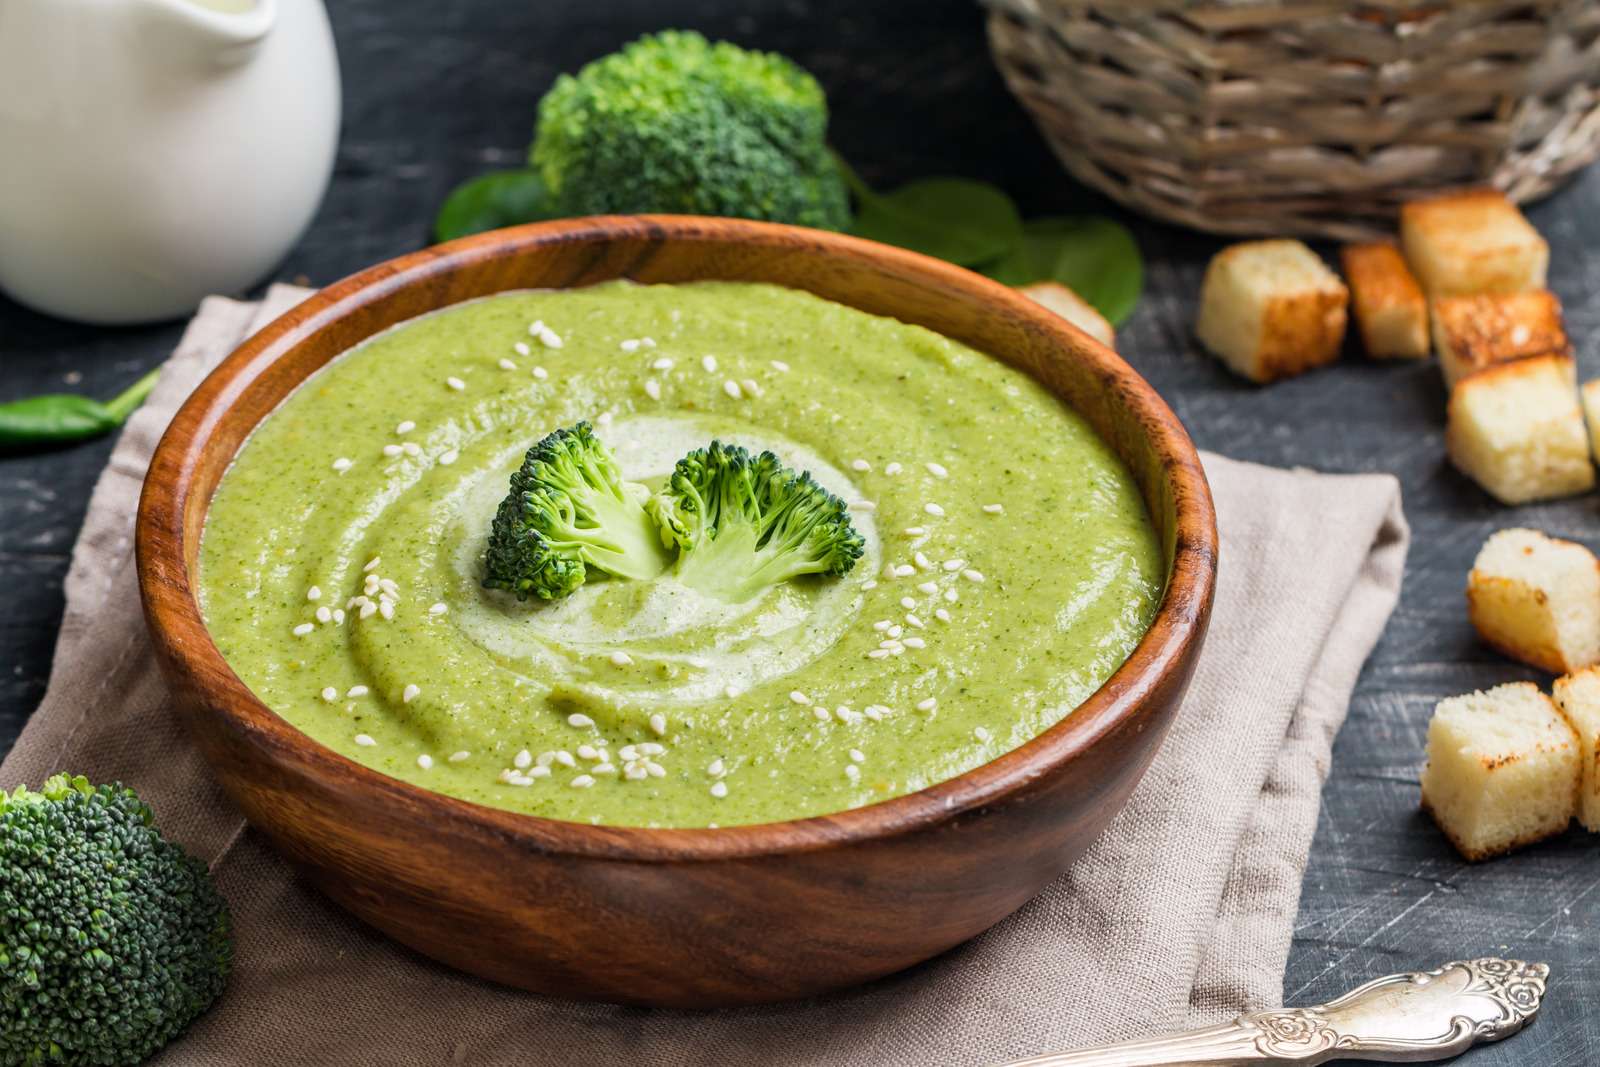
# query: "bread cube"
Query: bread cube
{"points": [[1502, 770], [1271, 309], [1473, 241], [1537, 599], [1516, 430], [1388, 302], [1578, 696], [1476, 332], [1072, 307], [1590, 395]]}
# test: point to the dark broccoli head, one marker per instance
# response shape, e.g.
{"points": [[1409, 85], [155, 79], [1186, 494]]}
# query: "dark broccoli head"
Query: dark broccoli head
{"points": [[673, 123], [745, 522], [570, 509], [112, 939]]}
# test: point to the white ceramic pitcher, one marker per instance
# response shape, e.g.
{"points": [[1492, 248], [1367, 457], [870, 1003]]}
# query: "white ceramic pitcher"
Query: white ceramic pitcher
{"points": [[154, 151]]}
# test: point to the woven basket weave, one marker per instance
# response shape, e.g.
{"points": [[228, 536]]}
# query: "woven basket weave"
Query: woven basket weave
{"points": [[1305, 116]]}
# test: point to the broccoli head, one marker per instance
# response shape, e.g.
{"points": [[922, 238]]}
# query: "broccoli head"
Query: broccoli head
{"points": [[743, 523], [570, 509], [673, 123], [112, 939]]}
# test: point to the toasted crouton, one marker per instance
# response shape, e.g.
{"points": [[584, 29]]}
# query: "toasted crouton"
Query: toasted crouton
{"points": [[1537, 599], [1271, 309], [1516, 430], [1502, 770], [1072, 307], [1474, 241], [1590, 394], [1578, 696], [1475, 332], [1388, 302]]}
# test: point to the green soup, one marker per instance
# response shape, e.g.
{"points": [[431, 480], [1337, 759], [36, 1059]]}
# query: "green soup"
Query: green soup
{"points": [[1009, 569]]}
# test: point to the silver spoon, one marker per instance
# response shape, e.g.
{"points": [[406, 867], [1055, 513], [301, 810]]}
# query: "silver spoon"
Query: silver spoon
{"points": [[1404, 1018]]}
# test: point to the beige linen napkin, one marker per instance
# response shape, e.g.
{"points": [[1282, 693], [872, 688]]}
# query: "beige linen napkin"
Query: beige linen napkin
{"points": [[1181, 914]]}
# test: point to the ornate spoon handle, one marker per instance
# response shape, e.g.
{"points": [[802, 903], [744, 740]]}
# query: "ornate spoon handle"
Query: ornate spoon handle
{"points": [[1404, 1018]]}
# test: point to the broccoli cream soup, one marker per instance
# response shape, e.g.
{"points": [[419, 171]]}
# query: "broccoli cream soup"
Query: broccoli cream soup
{"points": [[1006, 563]]}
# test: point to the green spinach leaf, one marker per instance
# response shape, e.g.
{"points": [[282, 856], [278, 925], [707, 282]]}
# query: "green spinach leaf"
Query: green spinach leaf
{"points": [[1094, 257], [966, 222], [490, 201]]}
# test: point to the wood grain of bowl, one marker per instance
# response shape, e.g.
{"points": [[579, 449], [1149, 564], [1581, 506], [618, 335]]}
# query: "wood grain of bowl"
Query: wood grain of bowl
{"points": [[691, 918]]}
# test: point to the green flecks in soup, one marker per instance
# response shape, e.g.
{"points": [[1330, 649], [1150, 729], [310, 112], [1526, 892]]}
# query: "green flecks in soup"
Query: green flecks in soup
{"points": [[1009, 566]]}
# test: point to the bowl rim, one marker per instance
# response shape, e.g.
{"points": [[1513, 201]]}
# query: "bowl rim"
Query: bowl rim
{"points": [[178, 629]]}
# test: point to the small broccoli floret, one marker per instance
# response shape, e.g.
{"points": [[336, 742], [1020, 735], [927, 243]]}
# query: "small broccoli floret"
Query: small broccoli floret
{"points": [[112, 939], [673, 123], [744, 523], [570, 509]]}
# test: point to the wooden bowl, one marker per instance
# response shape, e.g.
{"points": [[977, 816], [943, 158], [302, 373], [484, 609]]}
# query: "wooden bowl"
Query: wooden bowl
{"points": [[691, 918]]}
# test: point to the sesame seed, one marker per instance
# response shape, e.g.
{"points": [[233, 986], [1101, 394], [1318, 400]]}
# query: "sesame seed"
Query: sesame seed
{"points": [[921, 560], [448, 457], [582, 781], [540, 373], [603, 767], [648, 342], [389, 585], [951, 595], [457, 757], [661, 364], [338, 616], [894, 632], [536, 327], [324, 614], [907, 602], [539, 772], [933, 509], [580, 720], [731, 691], [752, 387], [904, 570], [304, 628], [588, 752], [709, 363], [928, 587], [405, 427], [630, 345], [870, 583], [411, 448], [916, 531], [372, 564], [365, 740], [731, 387], [844, 714], [852, 772], [878, 653], [550, 339], [857, 756], [915, 642], [820, 712], [650, 748], [981, 734], [629, 753], [652, 389], [994, 509], [937, 470], [368, 610], [799, 697], [620, 658], [410, 693], [523, 758], [386, 608], [860, 465], [719, 789], [863, 505], [717, 768], [330, 694], [455, 383], [356, 691], [954, 565], [425, 761], [658, 724], [506, 364], [314, 593], [971, 575], [928, 704], [892, 469], [942, 615], [342, 464], [654, 770], [882, 624], [913, 621], [780, 366], [391, 450], [521, 348]]}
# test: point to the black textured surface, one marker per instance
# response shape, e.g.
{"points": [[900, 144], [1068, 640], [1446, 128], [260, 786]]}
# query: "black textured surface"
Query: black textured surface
{"points": [[436, 92]]}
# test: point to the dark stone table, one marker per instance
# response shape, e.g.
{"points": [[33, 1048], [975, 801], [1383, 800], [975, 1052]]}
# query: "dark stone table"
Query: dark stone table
{"points": [[435, 92]]}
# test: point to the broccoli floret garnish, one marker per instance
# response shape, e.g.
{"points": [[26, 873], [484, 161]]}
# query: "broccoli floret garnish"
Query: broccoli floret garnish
{"points": [[673, 123], [743, 523], [570, 509], [112, 939]]}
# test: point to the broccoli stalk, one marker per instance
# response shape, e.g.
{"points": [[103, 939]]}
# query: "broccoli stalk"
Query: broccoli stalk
{"points": [[112, 939], [673, 123], [744, 523], [569, 509]]}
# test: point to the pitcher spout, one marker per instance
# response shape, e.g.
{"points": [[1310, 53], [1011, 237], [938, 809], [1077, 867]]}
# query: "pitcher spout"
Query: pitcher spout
{"points": [[206, 31]]}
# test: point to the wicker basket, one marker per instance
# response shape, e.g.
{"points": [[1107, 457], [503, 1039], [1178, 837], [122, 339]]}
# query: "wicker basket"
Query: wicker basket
{"points": [[1309, 117]]}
